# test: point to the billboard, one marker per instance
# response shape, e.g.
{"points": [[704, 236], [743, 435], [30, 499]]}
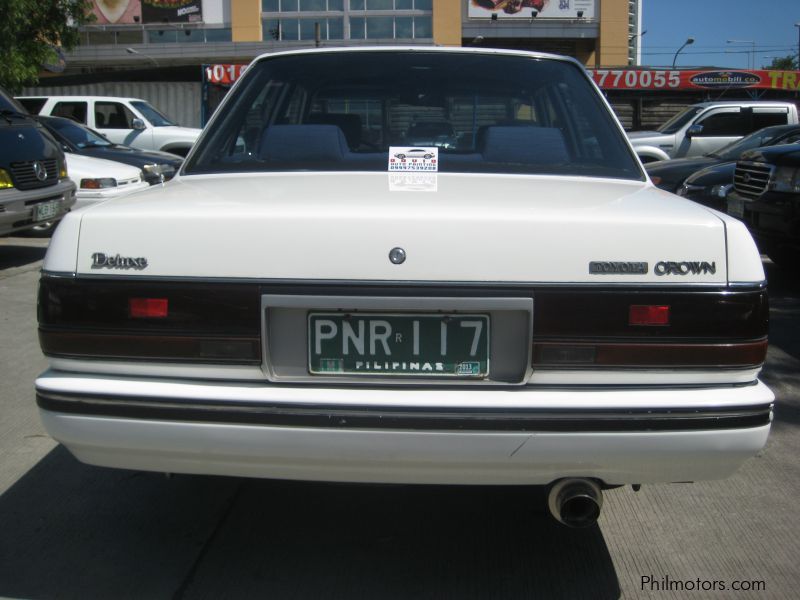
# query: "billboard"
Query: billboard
{"points": [[117, 12], [172, 11], [699, 79], [525, 9]]}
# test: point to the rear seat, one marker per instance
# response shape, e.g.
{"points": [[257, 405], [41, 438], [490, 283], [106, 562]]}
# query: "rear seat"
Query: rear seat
{"points": [[322, 143], [524, 145]]}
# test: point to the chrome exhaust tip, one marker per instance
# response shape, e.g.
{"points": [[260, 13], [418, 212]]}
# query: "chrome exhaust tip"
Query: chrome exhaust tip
{"points": [[575, 502]]}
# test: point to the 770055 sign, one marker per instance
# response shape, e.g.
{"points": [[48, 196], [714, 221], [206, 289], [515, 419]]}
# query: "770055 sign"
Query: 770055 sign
{"points": [[620, 79], [694, 79]]}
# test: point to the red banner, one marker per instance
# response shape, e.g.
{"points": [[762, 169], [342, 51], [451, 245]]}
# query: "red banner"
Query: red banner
{"points": [[223, 74], [706, 79]]}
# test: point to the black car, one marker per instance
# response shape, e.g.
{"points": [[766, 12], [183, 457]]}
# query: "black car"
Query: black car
{"points": [[669, 175], [79, 139], [34, 187], [766, 196], [710, 186]]}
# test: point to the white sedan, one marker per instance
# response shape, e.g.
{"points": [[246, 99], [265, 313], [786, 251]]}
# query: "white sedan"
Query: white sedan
{"points": [[98, 179], [532, 310]]}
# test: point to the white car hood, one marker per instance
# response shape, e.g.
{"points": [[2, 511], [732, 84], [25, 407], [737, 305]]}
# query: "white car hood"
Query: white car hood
{"points": [[79, 167], [341, 226], [643, 136], [177, 133]]}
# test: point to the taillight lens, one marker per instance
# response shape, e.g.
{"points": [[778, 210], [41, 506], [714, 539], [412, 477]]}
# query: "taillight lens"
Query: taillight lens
{"points": [[148, 308], [648, 314]]}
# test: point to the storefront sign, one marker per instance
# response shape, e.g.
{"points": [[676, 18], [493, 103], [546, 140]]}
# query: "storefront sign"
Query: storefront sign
{"points": [[525, 9], [223, 74], [706, 79], [172, 11]]}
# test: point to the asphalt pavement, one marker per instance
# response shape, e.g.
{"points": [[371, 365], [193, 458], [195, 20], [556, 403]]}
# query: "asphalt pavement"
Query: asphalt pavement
{"points": [[68, 530]]}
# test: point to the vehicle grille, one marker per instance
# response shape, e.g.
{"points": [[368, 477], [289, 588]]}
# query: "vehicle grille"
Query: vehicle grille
{"points": [[750, 179], [24, 174]]}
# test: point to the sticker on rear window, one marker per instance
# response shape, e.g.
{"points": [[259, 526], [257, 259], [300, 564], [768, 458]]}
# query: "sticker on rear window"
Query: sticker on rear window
{"points": [[403, 158]]}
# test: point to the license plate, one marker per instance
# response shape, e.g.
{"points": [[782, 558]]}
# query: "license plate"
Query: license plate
{"points": [[418, 345], [46, 210], [736, 208]]}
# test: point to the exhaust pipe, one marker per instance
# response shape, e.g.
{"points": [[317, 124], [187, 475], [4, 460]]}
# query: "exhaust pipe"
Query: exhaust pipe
{"points": [[575, 502]]}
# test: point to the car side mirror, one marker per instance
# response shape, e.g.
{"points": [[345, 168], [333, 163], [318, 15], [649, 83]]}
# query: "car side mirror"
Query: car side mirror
{"points": [[138, 124], [694, 130]]}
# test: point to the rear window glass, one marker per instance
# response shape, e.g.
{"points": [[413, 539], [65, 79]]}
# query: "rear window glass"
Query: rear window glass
{"points": [[70, 110], [32, 105], [483, 113]]}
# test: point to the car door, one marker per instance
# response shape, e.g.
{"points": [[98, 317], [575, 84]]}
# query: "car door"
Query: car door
{"points": [[115, 121], [718, 127]]}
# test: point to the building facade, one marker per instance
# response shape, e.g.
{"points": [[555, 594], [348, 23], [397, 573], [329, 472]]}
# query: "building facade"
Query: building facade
{"points": [[596, 32], [145, 49]]}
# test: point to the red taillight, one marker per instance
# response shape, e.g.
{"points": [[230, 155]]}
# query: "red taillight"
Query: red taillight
{"points": [[648, 314], [148, 308]]}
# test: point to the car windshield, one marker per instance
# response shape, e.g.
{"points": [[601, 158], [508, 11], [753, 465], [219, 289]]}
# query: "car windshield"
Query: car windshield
{"points": [[79, 136], [473, 112], [156, 118], [678, 121], [762, 137]]}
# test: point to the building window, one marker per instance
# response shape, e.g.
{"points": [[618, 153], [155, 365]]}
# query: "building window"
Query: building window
{"points": [[274, 6], [403, 28], [335, 29], [423, 27], [357, 28], [380, 5], [380, 28], [303, 29], [391, 4]]}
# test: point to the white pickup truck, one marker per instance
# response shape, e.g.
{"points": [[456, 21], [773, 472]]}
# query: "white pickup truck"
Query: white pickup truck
{"points": [[708, 126], [128, 121]]}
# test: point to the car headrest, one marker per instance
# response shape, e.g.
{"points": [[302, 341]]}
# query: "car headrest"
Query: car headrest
{"points": [[303, 143], [526, 145], [349, 124]]}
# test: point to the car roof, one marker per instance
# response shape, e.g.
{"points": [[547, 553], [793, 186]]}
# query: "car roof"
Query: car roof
{"points": [[82, 97], [745, 103], [420, 49]]}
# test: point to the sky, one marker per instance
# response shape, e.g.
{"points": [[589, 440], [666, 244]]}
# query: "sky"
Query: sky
{"points": [[764, 28]]}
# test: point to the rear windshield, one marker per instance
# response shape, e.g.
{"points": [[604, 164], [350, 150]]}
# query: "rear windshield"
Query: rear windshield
{"points": [[357, 111]]}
